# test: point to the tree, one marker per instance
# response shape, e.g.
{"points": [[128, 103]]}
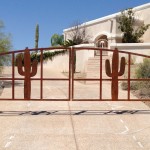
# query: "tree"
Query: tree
{"points": [[5, 42], [5, 45], [57, 40], [126, 25], [36, 36], [78, 33]]}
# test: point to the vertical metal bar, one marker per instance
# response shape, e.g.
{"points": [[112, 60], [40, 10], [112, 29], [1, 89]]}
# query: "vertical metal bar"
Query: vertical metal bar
{"points": [[41, 79], [69, 90], [129, 70], [13, 75], [73, 50], [100, 96]]}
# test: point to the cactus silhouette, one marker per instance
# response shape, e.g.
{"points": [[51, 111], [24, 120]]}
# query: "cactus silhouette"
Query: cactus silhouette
{"points": [[115, 73], [26, 72]]}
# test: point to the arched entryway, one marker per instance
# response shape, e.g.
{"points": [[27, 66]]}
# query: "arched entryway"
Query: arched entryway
{"points": [[101, 42]]}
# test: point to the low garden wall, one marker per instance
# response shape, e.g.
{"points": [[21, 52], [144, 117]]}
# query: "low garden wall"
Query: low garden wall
{"points": [[139, 48], [61, 63]]}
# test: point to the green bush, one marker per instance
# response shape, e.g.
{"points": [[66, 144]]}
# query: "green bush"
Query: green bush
{"points": [[126, 24], [143, 70]]}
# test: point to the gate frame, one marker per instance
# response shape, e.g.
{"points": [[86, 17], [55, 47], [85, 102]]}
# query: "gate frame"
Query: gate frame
{"points": [[71, 78]]}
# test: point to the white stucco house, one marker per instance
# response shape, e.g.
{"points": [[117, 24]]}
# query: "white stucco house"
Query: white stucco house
{"points": [[104, 31]]}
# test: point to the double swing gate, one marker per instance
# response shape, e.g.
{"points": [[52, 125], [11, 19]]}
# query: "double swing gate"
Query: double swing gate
{"points": [[23, 73]]}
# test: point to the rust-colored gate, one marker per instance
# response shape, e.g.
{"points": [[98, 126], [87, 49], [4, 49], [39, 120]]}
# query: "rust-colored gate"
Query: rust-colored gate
{"points": [[31, 61]]}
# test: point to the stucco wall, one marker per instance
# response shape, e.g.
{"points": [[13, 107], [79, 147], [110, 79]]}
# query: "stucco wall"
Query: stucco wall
{"points": [[61, 63], [58, 64], [105, 27], [139, 48], [145, 15]]}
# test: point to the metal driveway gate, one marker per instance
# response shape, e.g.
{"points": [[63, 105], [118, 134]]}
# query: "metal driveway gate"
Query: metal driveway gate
{"points": [[27, 68]]}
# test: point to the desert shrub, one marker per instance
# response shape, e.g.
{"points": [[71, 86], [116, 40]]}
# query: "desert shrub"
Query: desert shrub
{"points": [[144, 88], [124, 86], [143, 70], [133, 86], [144, 92], [144, 84]]}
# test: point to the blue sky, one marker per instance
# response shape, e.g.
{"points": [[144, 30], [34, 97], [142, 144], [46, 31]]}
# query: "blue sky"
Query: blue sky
{"points": [[21, 16]]}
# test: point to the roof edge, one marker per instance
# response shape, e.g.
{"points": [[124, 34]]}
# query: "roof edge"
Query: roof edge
{"points": [[138, 8]]}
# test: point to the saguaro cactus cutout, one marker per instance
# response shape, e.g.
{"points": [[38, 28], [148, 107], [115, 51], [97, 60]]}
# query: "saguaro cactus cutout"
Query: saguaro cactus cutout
{"points": [[26, 72], [115, 73]]}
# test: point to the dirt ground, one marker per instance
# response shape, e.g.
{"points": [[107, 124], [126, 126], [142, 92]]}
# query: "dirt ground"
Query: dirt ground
{"points": [[147, 103]]}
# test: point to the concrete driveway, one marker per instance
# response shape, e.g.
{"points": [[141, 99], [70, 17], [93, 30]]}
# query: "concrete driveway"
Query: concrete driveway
{"points": [[29, 125]]}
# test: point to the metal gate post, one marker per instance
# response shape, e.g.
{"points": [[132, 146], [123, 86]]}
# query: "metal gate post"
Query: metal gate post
{"points": [[71, 74]]}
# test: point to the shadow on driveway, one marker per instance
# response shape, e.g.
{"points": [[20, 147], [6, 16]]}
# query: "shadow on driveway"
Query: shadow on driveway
{"points": [[74, 112]]}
